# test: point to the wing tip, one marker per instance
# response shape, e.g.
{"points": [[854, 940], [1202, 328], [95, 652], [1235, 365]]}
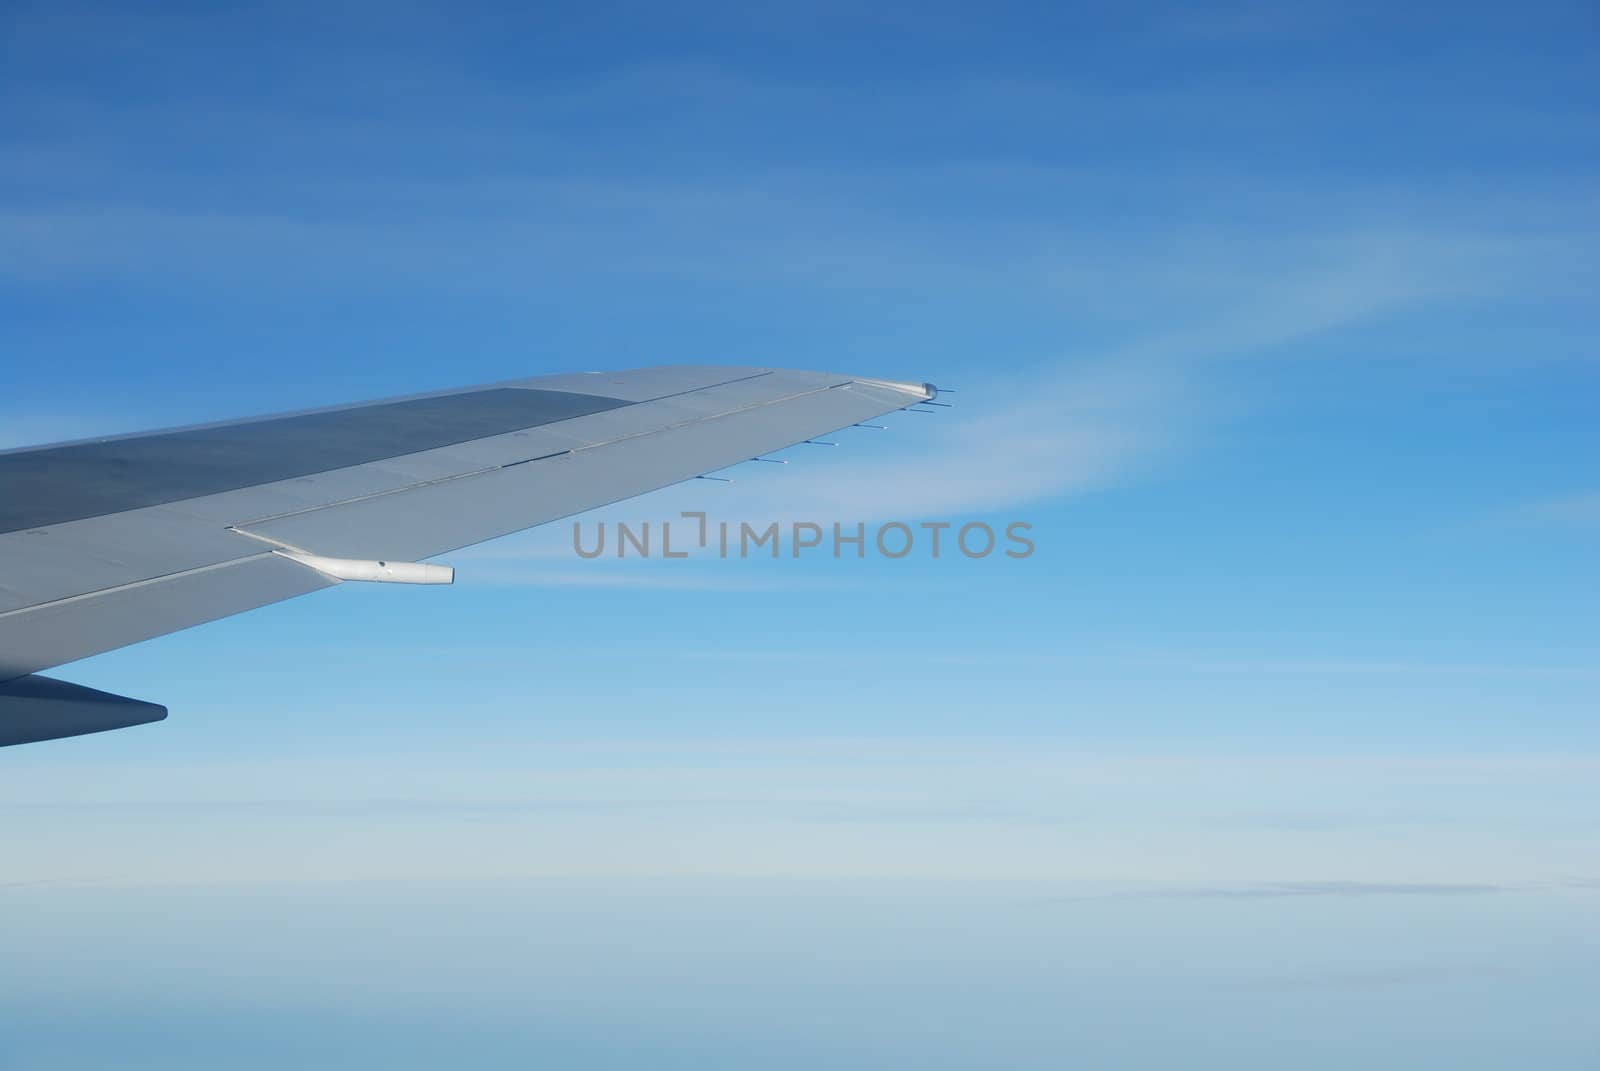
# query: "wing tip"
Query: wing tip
{"points": [[922, 392]]}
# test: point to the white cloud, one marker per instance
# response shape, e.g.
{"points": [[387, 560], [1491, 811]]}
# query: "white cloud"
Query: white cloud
{"points": [[1086, 422], [1578, 510], [950, 809]]}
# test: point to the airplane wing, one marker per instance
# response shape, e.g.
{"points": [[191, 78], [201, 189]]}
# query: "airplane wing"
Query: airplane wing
{"points": [[107, 542]]}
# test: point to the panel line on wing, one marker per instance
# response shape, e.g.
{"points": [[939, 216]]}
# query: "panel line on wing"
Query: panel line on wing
{"points": [[134, 584], [240, 526], [393, 491]]}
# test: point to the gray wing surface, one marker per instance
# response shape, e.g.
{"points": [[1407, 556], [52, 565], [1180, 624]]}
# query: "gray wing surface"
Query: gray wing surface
{"points": [[108, 542]]}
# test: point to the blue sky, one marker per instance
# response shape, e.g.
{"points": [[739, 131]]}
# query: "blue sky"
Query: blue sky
{"points": [[1275, 322]]}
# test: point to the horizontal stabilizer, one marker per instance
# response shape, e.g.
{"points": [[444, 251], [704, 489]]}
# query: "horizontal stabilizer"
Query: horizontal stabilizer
{"points": [[37, 708]]}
